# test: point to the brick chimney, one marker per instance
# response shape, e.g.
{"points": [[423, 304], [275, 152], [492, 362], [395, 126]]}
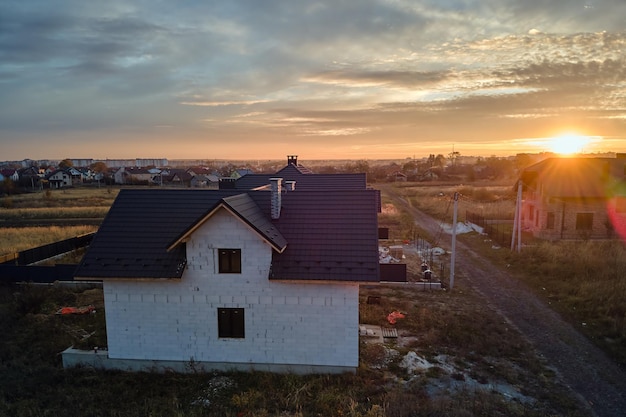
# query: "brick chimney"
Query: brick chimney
{"points": [[276, 197], [292, 159]]}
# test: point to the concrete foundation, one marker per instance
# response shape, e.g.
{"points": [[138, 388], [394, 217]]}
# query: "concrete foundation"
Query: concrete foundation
{"points": [[75, 358], [423, 286]]}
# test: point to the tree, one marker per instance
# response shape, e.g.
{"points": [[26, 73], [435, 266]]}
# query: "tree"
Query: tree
{"points": [[440, 161], [99, 167], [8, 186], [66, 163], [409, 167], [358, 167], [452, 156]]}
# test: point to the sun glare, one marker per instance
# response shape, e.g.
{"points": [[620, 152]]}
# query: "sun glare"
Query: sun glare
{"points": [[568, 144]]}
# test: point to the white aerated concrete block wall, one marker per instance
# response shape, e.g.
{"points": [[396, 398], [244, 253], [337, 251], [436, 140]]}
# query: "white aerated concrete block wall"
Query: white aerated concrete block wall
{"points": [[285, 323]]}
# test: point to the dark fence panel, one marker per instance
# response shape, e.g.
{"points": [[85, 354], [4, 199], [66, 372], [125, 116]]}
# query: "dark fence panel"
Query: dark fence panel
{"points": [[393, 272], [497, 230], [38, 274], [40, 253]]}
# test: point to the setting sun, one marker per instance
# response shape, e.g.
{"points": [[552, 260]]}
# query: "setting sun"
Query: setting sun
{"points": [[568, 144]]}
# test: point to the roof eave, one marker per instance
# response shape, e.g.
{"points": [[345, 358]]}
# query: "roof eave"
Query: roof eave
{"points": [[118, 278]]}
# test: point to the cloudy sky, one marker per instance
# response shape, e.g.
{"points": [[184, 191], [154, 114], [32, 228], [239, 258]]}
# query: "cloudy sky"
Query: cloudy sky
{"points": [[251, 79]]}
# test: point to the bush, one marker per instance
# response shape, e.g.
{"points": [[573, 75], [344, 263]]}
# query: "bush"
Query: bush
{"points": [[7, 203]]}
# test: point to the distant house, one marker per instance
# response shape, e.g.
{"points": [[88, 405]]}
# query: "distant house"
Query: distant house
{"points": [[199, 171], [295, 175], [11, 174], [133, 175], [264, 278], [398, 176], [205, 181], [61, 178], [238, 173], [29, 177], [178, 177], [430, 174], [575, 198]]}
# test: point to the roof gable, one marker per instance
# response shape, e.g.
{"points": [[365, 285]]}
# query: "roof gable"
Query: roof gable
{"points": [[244, 208], [292, 169]]}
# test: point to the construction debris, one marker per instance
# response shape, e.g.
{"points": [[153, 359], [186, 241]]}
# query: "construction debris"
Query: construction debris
{"points": [[76, 310]]}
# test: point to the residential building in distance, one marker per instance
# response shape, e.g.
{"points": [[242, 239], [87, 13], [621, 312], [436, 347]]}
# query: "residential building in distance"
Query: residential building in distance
{"points": [[575, 198]]}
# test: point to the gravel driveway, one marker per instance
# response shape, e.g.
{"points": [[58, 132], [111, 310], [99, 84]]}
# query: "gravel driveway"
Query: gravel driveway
{"points": [[591, 375]]}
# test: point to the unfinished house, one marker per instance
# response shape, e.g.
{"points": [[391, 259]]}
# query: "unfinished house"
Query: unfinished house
{"points": [[575, 198], [264, 279]]}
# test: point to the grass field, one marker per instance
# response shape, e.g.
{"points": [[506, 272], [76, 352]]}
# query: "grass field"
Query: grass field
{"points": [[476, 371], [582, 280], [72, 203], [67, 197], [491, 201]]}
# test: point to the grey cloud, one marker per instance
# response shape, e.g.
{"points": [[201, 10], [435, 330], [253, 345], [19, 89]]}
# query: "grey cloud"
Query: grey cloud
{"points": [[391, 78], [142, 56], [591, 15]]}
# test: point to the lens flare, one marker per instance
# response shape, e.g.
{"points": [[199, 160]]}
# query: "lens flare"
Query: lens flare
{"points": [[568, 143]]}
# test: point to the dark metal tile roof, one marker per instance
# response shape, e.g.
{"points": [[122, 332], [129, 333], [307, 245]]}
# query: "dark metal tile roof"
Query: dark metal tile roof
{"points": [[306, 181], [332, 235], [133, 239], [290, 169], [324, 235]]}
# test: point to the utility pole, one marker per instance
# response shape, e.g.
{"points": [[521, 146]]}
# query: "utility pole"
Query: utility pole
{"points": [[517, 221], [452, 259], [519, 217]]}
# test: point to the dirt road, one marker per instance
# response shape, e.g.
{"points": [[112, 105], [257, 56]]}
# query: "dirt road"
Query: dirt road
{"points": [[592, 376]]}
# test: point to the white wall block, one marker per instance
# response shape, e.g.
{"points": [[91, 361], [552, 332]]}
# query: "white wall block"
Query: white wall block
{"points": [[285, 323]]}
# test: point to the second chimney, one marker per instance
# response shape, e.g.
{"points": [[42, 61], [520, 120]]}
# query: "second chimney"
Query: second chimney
{"points": [[276, 197], [290, 185]]}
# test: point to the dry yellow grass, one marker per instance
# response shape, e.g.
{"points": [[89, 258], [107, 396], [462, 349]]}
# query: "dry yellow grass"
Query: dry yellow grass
{"points": [[490, 201], [53, 213], [13, 239], [71, 197]]}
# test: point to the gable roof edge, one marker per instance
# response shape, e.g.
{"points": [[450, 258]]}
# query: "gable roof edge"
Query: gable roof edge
{"points": [[223, 204]]}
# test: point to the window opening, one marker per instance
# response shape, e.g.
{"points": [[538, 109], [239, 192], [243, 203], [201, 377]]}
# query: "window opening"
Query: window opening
{"points": [[231, 323], [229, 261]]}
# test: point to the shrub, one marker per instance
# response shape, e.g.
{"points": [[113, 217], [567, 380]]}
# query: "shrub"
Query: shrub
{"points": [[7, 203]]}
